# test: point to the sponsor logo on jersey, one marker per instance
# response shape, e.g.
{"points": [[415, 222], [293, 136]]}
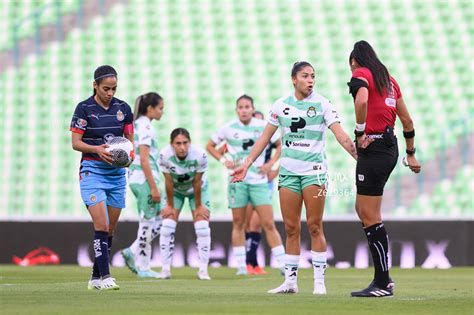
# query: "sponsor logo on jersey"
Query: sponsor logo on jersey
{"points": [[247, 144], [297, 123], [295, 136], [391, 102], [120, 116], [273, 115], [183, 178], [311, 112], [81, 122], [236, 135], [317, 167], [297, 144], [286, 111], [108, 137], [96, 116]]}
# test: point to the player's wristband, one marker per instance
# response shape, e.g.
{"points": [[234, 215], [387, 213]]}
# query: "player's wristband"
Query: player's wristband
{"points": [[360, 127], [409, 134], [223, 159], [359, 133]]}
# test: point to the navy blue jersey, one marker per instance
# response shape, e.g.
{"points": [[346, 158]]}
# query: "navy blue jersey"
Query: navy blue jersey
{"points": [[97, 125]]}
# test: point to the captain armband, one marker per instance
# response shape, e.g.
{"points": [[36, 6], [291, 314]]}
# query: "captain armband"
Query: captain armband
{"points": [[409, 134], [355, 84]]}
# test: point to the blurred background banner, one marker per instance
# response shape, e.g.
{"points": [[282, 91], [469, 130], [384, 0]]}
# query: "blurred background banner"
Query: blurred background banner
{"points": [[429, 244], [200, 55]]}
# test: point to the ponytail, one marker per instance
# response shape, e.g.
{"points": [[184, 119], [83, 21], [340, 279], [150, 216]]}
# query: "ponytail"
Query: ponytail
{"points": [[143, 101], [365, 56]]}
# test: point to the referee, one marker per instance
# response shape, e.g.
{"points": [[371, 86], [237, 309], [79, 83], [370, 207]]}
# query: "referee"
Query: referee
{"points": [[377, 101]]}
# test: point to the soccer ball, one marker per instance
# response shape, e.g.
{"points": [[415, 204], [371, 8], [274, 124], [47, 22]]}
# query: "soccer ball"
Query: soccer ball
{"points": [[122, 151]]}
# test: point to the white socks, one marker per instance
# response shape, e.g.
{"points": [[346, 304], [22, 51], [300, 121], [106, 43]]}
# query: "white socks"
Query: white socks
{"points": [[143, 245], [319, 260], [155, 231], [279, 253], [239, 254], [291, 269], [167, 232], [203, 241]]}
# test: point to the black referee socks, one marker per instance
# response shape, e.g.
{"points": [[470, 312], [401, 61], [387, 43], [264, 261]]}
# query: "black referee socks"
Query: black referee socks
{"points": [[378, 243]]}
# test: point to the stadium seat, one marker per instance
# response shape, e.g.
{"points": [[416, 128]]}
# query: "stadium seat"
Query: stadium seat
{"points": [[201, 55]]}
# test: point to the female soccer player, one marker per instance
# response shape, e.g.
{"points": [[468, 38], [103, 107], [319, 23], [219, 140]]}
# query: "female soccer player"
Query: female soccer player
{"points": [[184, 166], [240, 135], [144, 180], [253, 229], [304, 116], [377, 100], [95, 120]]}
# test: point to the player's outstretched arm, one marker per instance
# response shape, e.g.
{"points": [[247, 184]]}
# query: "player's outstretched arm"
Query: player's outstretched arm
{"points": [[262, 142], [344, 140]]}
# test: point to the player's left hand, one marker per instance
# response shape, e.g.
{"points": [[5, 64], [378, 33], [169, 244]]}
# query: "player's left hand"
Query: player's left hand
{"points": [[239, 174], [272, 174], [155, 195], [201, 212], [413, 164], [363, 141], [265, 168]]}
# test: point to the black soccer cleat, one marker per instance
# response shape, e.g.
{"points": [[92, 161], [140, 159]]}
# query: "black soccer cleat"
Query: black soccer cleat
{"points": [[373, 290]]}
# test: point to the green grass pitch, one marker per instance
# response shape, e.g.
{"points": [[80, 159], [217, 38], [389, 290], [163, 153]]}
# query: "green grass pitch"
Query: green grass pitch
{"points": [[63, 290]]}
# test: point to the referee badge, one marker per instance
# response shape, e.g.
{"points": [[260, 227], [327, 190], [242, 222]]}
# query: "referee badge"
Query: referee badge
{"points": [[120, 115], [311, 112]]}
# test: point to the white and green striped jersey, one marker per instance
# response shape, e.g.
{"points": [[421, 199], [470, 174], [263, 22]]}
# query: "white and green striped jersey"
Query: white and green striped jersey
{"points": [[240, 139], [304, 124], [183, 171], [145, 134]]}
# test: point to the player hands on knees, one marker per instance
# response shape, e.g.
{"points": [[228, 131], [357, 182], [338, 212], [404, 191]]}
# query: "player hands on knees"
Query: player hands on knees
{"points": [[240, 136], [144, 180], [184, 166]]}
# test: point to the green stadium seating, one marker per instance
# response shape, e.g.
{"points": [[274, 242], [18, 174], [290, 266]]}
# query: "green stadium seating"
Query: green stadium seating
{"points": [[201, 55], [14, 11]]}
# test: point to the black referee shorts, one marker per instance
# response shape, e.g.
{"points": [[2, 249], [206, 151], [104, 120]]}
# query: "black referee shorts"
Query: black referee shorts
{"points": [[374, 166]]}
